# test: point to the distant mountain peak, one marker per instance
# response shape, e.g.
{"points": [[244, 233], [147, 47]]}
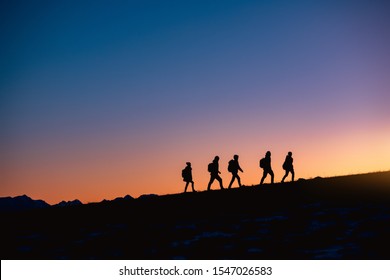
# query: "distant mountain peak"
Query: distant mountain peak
{"points": [[69, 203], [126, 197], [22, 202]]}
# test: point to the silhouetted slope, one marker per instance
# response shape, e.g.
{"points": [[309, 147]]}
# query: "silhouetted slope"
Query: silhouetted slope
{"points": [[331, 218]]}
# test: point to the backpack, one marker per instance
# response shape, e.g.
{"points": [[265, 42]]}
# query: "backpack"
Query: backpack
{"points": [[231, 166], [210, 167], [284, 165], [262, 163], [184, 173]]}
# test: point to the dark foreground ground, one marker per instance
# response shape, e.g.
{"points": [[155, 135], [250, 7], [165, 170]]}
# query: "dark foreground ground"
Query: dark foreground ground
{"points": [[335, 218]]}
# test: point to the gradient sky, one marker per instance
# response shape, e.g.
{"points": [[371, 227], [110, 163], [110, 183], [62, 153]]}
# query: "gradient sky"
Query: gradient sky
{"points": [[99, 99]]}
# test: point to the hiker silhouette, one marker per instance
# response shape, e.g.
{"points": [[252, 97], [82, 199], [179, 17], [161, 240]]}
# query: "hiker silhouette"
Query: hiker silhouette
{"points": [[213, 168], [233, 168], [187, 176], [288, 167], [265, 163]]}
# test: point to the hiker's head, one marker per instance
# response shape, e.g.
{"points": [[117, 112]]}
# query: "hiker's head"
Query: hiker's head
{"points": [[235, 157], [268, 154], [290, 154], [188, 163], [216, 158]]}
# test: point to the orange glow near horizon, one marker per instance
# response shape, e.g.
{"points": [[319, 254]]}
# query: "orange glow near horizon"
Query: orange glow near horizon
{"points": [[94, 173]]}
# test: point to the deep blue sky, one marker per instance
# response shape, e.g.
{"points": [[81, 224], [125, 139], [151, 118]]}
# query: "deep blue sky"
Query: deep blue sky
{"points": [[115, 86]]}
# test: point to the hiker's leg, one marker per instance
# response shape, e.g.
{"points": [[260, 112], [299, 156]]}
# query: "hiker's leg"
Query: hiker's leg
{"points": [[220, 181], [212, 178], [272, 176], [231, 182], [185, 189], [292, 173], [239, 180], [285, 176], [192, 185], [262, 178]]}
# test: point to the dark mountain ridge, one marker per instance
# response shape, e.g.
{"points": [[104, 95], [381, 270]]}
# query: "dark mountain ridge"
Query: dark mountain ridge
{"points": [[68, 203], [20, 203], [25, 203]]}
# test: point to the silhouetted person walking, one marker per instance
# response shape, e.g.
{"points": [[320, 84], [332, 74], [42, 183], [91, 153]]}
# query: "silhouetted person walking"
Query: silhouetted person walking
{"points": [[265, 163], [288, 166], [187, 176], [213, 168], [234, 167]]}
